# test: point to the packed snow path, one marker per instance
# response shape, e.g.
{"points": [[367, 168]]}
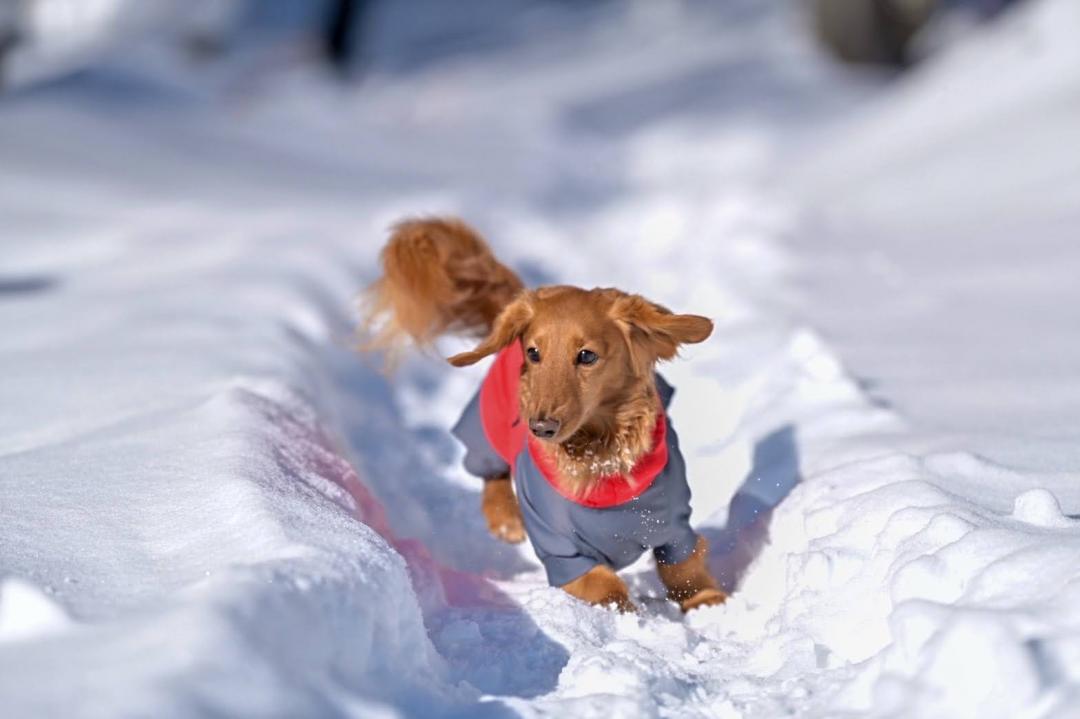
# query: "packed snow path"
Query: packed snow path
{"points": [[209, 504]]}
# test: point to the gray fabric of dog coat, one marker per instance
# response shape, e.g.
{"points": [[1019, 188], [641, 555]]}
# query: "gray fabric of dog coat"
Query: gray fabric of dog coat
{"points": [[570, 538]]}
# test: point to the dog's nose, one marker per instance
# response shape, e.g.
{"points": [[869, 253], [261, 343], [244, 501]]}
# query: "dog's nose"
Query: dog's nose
{"points": [[544, 428]]}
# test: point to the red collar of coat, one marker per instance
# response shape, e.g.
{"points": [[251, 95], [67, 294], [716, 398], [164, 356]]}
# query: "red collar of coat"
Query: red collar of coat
{"points": [[506, 431]]}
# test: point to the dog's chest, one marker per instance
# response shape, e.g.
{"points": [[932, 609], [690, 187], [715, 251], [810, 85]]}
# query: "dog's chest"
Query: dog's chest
{"points": [[617, 534]]}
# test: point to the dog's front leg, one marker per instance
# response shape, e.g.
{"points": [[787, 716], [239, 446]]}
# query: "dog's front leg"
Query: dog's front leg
{"points": [[601, 585], [689, 582], [501, 510]]}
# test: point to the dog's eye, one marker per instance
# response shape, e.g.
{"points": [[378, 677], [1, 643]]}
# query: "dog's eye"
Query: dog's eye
{"points": [[587, 357], [533, 354]]}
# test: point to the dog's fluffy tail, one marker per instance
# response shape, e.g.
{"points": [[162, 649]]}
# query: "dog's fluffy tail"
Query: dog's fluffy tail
{"points": [[438, 277]]}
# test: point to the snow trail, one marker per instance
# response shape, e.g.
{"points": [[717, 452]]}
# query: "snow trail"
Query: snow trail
{"points": [[210, 505]]}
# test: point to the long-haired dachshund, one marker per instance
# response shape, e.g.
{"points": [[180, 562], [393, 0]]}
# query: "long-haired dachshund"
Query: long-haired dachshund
{"points": [[572, 409]]}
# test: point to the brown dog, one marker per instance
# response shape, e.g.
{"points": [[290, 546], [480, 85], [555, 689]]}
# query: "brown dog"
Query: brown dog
{"points": [[578, 368]]}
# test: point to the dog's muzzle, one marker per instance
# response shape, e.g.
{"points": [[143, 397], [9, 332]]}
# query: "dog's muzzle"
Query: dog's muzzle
{"points": [[544, 428]]}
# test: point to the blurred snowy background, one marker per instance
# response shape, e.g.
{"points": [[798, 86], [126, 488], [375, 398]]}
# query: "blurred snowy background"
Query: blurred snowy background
{"points": [[210, 505]]}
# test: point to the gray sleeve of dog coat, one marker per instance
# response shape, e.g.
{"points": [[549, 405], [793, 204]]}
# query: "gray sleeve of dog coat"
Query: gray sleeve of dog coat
{"points": [[563, 558], [682, 539], [665, 390], [481, 459], [563, 570]]}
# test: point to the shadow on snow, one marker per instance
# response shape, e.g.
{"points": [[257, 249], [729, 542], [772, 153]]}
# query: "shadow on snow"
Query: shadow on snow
{"points": [[485, 637], [774, 473]]}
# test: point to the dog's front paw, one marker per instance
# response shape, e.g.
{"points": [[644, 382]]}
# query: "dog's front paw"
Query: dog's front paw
{"points": [[510, 530], [601, 586], [704, 598], [501, 511], [621, 602]]}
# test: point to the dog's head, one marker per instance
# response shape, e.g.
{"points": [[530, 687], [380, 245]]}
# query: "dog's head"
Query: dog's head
{"points": [[586, 352]]}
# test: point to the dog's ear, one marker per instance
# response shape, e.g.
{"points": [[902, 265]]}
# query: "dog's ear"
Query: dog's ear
{"points": [[656, 330], [509, 326]]}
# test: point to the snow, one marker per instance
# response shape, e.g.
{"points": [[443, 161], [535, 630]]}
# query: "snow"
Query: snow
{"points": [[210, 504], [26, 613], [943, 236]]}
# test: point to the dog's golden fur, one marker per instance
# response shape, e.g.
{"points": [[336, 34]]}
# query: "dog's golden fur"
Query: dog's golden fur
{"points": [[439, 277], [606, 412]]}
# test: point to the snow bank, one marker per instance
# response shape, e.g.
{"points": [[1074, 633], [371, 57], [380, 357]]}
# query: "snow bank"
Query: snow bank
{"points": [[181, 529]]}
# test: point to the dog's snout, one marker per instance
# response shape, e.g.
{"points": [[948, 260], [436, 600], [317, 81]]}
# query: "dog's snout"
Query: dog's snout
{"points": [[544, 428]]}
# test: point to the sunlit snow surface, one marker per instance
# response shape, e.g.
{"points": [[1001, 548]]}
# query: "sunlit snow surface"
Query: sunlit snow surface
{"points": [[209, 505]]}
